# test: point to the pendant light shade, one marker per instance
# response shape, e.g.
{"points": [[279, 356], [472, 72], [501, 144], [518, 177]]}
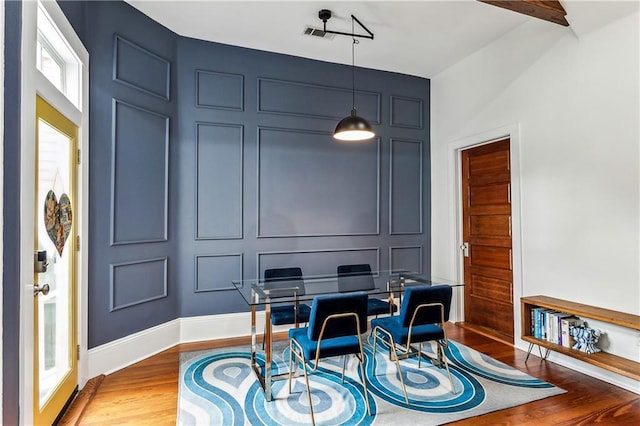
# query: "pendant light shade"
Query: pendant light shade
{"points": [[353, 128]]}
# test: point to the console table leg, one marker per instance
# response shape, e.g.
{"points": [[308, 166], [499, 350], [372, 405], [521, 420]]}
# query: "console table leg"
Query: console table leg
{"points": [[529, 352]]}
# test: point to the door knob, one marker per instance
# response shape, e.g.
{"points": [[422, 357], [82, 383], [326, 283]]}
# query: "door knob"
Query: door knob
{"points": [[465, 249], [37, 289]]}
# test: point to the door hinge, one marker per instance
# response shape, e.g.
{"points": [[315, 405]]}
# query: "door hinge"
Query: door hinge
{"points": [[78, 156], [78, 352], [77, 242]]}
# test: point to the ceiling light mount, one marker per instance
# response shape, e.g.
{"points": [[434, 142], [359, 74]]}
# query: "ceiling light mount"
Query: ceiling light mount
{"points": [[325, 15]]}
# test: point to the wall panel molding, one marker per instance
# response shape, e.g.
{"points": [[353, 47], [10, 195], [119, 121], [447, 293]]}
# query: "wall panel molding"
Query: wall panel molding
{"points": [[287, 97], [219, 90], [139, 172], [406, 169], [219, 177], [406, 112], [136, 278], [229, 266], [336, 191], [141, 69], [411, 254]]}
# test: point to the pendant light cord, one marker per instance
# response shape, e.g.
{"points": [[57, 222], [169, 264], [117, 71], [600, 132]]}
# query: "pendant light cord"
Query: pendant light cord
{"points": [[353, 67]]}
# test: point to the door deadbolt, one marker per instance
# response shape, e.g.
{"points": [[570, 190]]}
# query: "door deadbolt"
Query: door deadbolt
{"points": [[37, 289]]}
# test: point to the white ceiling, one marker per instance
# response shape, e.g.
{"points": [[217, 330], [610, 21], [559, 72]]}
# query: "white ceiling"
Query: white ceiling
{"points": [[420, 38]]}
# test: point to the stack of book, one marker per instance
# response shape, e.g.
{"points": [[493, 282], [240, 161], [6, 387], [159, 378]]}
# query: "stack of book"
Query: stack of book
{"points": [[554, 326]]}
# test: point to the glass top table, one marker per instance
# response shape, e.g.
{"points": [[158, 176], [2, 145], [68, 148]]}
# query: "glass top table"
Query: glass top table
{"points": [[261, 293], [258, 292]]}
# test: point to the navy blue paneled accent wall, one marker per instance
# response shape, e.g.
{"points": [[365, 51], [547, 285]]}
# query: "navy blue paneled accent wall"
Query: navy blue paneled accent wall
{"points": [[233, 170]]}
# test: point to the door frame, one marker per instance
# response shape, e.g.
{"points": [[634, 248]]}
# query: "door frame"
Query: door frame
{"points": [[34, 83], [454, 187], [2, 198]]}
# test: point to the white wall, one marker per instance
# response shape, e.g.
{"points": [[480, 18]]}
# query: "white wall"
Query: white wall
{"points": [[576, 104]]}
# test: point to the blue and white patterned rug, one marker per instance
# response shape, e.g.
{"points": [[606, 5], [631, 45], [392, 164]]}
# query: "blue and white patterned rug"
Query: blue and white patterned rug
{"points": [[218, 387]]}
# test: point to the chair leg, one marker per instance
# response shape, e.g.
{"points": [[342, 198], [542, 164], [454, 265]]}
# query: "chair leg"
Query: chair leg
{"points": [[306, 378], [344, 365], [446, 364], [419, 354], [290, 365], [373, 363], [395, 357], [364, 383]]}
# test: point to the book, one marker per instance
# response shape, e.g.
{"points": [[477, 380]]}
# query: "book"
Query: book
{"points": [[537, 322], [547, 324], [558, 327]]}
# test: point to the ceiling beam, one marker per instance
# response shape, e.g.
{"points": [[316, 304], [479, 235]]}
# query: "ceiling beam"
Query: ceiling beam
{"points": [[548, 10]]}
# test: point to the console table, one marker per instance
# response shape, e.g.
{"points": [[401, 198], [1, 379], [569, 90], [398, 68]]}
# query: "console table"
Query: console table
{"points": [[607, 361]]}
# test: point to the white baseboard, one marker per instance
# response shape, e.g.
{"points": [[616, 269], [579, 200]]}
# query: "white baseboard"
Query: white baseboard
{"points": [[115, 355], [588, 369]]}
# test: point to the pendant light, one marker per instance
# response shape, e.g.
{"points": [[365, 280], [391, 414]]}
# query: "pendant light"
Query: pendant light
{"points": [[353, 127]]}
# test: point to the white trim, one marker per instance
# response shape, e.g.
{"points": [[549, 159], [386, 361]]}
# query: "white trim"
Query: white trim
{"points": [[118, 354], [455, 232], [32, 83], [1, 192], [27, 185], [113, 356]]}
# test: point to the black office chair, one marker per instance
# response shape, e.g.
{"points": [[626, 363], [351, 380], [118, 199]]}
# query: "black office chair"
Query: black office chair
{"points": [[423, 313], [335, 326], [285, 279], [359, 278]]}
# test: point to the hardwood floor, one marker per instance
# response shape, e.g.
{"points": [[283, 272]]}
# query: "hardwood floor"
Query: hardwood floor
{"points": [[146, 393]]}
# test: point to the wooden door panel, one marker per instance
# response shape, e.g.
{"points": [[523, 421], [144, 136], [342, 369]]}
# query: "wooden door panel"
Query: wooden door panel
{"points": [[486, 197], [491, 288], [491, 225], [494, 257], [495, 209], [489, 164], [490, 194], [498, 274], [491, 241], [488, 313]]}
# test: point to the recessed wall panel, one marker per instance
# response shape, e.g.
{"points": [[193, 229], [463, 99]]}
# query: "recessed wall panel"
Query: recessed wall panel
{"points": [[139, 190], [315, 101], [309, 185], [318, 262], [215, 272], [138, 67], [219, 181], [406, 258], [406, 112], [134, 283], [219, 90], [405, 199]]}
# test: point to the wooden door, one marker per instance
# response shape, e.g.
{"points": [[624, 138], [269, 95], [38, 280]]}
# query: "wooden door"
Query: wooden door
{"points": [[486, 197]]}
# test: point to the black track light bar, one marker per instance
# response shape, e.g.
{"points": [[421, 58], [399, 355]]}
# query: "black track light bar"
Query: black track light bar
{"points": [[325, 15]]}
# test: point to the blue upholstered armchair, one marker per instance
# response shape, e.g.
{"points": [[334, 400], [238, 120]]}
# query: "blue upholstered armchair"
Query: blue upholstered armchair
{"points": [[335, 326], [288, 281], [423, 313]]}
